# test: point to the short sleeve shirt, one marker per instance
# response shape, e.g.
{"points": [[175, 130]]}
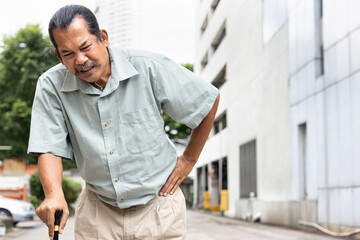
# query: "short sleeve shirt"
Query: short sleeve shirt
{"points": [[117, 135]]}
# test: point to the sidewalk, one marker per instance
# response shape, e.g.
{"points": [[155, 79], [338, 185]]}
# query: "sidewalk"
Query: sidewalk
{"points": [[207, 226], [36, 230], [200, 226]]}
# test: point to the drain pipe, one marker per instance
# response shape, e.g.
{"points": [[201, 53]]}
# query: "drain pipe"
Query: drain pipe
{"points": [[331, 233]]}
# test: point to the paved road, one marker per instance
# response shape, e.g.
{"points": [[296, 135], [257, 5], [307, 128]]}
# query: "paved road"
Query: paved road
{"points": [[201, 226], [36, 230], [204, 226]]}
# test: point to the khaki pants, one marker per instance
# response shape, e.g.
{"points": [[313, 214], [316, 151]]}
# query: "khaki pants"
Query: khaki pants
{"points": [[160, 218]]}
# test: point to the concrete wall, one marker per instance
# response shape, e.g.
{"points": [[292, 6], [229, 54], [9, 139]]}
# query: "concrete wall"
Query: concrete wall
{"points": [[255, 97], [329, 105]]}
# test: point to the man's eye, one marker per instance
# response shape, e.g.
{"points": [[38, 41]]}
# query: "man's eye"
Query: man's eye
{"points": [[86, 47], [67, 54]]}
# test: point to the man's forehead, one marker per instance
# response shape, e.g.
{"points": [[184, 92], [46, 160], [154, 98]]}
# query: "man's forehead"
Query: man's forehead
{"points": [[78, 45], [75, 34]]}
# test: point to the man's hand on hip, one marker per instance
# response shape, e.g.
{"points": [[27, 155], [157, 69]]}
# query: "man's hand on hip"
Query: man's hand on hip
{"points": [[181, 171], [46, 212]]}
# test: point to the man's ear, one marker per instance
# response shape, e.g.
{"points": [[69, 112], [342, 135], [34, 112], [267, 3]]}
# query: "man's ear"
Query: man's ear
{"points": [[58, 55], [104, 37]]}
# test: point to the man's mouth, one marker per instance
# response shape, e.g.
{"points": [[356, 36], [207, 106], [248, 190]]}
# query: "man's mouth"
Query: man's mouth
{"points": [[85, 68]]}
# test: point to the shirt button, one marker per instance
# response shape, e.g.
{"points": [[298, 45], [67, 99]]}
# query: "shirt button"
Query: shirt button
{"points": [[111, 152], [106, 124], [116, 179], [121, 200]]}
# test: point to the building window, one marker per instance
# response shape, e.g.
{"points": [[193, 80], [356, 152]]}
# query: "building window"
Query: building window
{"points": [[204, 61], [220, 123], [204, 25], [219, 37], [214, 5], [302, 161], [224, 181], [220, 78], [319, 54], [248, 169], [275, 14]]}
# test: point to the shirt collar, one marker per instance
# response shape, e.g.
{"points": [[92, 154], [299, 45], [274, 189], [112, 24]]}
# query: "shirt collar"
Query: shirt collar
{"points": [[121, 69]]}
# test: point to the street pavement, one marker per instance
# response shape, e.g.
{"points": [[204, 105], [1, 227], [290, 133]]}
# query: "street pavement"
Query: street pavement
{"points": [[206, 226], [200, 225]]}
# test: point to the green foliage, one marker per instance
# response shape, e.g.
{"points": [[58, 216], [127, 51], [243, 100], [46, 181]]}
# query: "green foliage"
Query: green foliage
{"points": [[37, 193], [188, 66], [24, 57], [68, 164], [174, 129], [71, 190]]}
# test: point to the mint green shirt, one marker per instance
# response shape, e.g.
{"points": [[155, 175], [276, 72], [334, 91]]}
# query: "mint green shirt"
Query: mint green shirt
{"points": [[117, 135]]}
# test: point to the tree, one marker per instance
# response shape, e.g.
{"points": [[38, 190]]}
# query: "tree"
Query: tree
{"points": [[24, 57], [174, 129]]}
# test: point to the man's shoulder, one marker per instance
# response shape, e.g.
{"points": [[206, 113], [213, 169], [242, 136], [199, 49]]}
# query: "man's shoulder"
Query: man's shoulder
{"points": [[55, 72], [139, 55], [54, 75]]}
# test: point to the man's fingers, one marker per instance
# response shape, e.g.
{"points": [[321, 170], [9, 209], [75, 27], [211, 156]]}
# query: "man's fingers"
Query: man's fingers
{"points": [[177, 184], [63, 221], [171, 184], [50, 219], [168, 185], [51, 230]]}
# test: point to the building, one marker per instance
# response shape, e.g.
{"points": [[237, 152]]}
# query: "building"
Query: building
{"points": [[324, 48], [156, 25], [285, 132]]}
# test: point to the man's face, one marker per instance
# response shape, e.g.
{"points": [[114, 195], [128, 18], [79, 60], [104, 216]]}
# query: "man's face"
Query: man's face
{"points": [[82, 53]]}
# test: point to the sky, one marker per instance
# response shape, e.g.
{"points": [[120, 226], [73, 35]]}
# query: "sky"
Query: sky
{"points": [[15, 14]]}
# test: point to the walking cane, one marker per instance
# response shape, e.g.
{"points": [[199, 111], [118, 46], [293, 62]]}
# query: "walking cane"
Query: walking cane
{"points": [[58, 215]]}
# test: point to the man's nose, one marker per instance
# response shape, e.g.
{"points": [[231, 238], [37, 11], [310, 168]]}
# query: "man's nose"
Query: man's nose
{"points": [[81, 58]]}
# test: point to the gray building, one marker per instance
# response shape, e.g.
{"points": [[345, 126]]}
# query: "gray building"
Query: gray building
{"points": [[286, 129], [155, 25]]}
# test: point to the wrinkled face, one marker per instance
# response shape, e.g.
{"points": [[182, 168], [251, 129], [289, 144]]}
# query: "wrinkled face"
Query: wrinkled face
{"points": [[82, 52]]}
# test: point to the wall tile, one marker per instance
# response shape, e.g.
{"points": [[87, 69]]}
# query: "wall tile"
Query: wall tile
{"points": [[346, 206], [312, 149], [356, 207], [310, 78], [332, 136], [309, 31], [292, 43], [323, 214], [294, 153], [293, 89], [329, 33], [345, 154], [301, 79], [320, 141], [354, 16], [355, 51], [341, 19], [330, 65], [342, 59], [355, 127], [334, 206]]}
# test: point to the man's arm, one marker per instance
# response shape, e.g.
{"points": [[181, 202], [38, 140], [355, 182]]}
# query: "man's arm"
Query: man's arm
{"points": [[50, 172], [187, 160]]}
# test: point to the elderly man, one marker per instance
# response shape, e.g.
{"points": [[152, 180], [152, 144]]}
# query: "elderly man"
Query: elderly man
{"points": [[104, 106]]}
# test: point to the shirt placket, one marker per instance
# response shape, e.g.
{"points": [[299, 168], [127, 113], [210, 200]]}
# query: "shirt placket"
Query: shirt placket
{"points": [[112, 154]]}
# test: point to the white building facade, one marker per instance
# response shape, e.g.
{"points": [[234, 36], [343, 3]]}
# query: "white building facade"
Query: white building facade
{"points": [[155, 25], [324, 64], [286, 127]]}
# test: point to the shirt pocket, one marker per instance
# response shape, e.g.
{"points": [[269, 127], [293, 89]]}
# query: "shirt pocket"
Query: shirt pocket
{"points": [[142, 129]]}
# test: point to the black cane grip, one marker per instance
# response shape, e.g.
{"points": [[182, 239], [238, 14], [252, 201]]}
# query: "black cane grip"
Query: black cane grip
{"points": [[58, 215]]}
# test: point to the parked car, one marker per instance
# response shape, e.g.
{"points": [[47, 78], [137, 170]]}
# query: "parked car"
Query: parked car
{"points": [[18, 210]]}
